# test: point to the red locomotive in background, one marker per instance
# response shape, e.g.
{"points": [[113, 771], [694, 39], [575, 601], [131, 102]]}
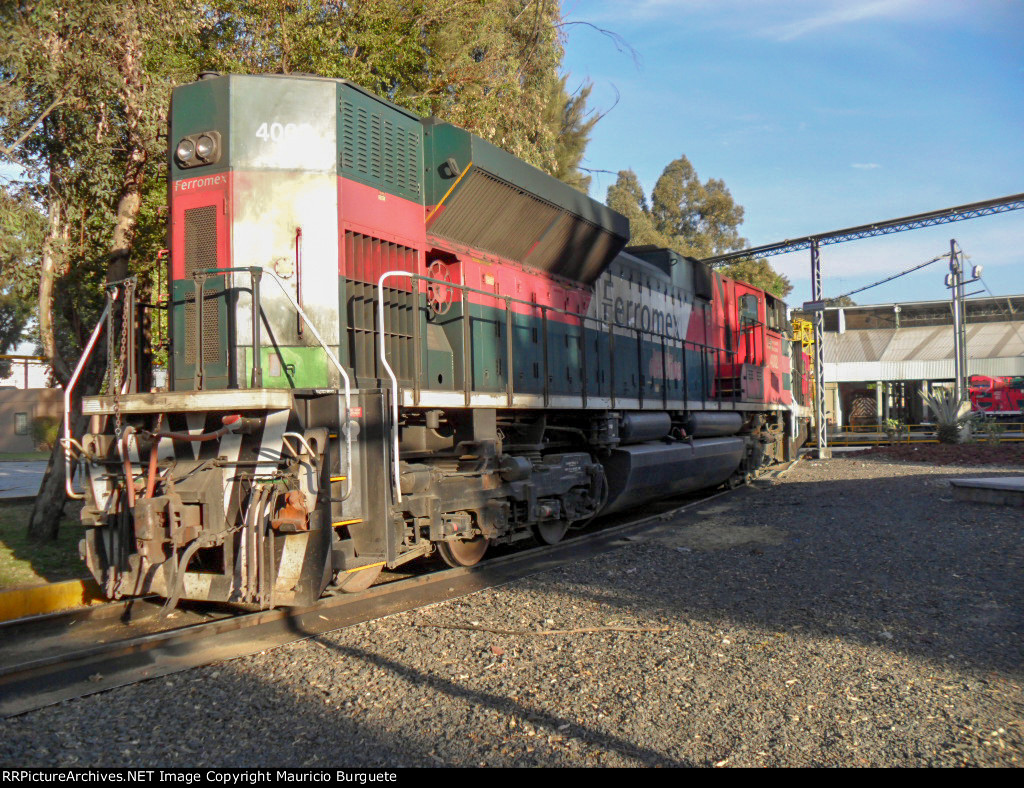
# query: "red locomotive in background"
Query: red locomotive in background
{"points": [[1002, 397]]}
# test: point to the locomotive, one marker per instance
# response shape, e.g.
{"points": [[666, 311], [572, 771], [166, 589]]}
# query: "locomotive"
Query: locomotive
{"points": [[997, 398], [390, 339]]}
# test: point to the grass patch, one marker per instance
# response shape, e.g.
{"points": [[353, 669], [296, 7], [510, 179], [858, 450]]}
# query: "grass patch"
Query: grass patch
{"points": [[24, 456], [24, 562]]}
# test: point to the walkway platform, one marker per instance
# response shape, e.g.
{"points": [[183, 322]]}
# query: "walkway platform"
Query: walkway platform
{"points": [[999, 490]]}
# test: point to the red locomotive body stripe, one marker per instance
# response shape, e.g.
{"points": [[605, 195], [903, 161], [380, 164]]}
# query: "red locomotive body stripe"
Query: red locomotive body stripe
{"points": [[368, 210]]}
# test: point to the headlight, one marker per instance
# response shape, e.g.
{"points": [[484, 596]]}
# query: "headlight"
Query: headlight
{"points": [[205, 147], [196, 150], [186, 151]]}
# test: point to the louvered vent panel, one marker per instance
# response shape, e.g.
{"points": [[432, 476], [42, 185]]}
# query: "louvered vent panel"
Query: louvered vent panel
{"points": [[348, 137], [200, 254], [380, 149]]}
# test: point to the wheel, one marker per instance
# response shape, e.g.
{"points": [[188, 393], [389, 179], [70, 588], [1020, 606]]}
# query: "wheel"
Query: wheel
{"points": [[356, 580], [463, 552], [551, 532]]}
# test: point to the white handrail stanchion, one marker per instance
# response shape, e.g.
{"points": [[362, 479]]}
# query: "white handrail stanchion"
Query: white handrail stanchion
{"points": [[68, 392], [391, 374], [343, 420]]}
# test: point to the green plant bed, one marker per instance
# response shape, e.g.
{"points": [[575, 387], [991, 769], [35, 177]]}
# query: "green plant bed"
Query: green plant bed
{"points": [[24, 562]]}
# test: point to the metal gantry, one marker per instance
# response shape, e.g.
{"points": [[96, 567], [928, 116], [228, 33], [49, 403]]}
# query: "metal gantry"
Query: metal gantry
{"points": [[1013, 202], [955, 281]]}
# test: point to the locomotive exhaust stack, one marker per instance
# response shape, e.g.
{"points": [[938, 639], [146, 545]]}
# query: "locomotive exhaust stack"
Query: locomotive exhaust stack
{"points": [[390, 340]]}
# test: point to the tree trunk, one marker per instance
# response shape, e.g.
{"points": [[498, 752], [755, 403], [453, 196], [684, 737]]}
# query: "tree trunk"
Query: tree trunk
{"points": [[44, 522], [49, 268]]}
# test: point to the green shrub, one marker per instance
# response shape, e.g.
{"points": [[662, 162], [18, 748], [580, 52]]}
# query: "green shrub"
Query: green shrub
{"points": [[46, 431], [951, 414]]}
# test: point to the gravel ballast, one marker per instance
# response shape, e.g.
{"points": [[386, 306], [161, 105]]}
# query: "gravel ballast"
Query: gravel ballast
{"points": [[849, 614]]}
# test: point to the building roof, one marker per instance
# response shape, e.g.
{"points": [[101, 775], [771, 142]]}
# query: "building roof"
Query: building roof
{"points": [[923, 353]]}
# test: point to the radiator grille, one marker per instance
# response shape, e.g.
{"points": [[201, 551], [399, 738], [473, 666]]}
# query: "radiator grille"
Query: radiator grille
{"points": [[200, 254], [365, 259], [488, 213]]}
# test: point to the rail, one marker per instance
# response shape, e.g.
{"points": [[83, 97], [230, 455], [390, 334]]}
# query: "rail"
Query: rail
{"points": [[612, 327]]}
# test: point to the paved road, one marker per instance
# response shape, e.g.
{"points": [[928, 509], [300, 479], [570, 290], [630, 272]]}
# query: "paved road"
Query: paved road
{"points": [[20, 479]]}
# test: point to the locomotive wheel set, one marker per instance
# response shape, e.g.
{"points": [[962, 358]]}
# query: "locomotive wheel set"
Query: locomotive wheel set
{"points": [[391, 339]]}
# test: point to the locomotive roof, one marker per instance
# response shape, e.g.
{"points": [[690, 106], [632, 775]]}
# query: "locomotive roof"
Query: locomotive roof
{"points": [[315, 77]]}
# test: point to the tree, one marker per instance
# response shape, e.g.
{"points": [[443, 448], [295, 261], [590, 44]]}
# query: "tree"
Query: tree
{"points": [[568, 115], [627, 197], [693, 218], [702, 217], [21, 230], [759, 273], [489, 67], [79, 116]]}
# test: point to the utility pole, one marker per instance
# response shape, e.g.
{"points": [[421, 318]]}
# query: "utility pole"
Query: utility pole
{"points": [[955, 283], [824, 452]]}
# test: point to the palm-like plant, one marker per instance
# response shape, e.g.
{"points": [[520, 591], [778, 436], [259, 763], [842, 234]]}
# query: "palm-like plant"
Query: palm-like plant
{"points": [[951, 414]]}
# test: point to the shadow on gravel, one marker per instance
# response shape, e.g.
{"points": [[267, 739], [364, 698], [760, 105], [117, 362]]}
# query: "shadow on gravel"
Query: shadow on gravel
{"points": [[892, 562], [504, 705]]}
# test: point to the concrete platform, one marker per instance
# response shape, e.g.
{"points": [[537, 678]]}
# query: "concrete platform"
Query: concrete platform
{"points": [[999, 490]]}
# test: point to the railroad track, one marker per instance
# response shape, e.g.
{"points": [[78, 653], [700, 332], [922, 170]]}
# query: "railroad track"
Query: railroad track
{"points": [[62, 656]]}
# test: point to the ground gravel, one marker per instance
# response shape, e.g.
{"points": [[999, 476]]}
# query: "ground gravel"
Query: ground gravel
{"points": [[852, 613]]}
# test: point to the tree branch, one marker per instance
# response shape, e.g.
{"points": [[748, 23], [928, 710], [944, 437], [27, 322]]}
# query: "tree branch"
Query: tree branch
{"points": [[8, 151], [621, 44]]}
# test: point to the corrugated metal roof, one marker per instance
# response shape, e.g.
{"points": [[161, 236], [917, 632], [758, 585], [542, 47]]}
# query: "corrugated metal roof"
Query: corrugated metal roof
{"points": [[924, 353], [860, 371], [928, 343]]}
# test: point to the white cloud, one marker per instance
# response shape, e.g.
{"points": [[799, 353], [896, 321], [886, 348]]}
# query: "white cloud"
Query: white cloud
{"points": [[840, 14], [869, 166], [778, 20]]}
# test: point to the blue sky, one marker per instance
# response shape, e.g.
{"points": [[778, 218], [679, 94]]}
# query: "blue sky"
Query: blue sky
{"points": [[820, 115]]}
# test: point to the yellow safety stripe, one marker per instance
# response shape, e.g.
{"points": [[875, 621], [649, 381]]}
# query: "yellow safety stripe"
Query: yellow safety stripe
{"points": [[361, 568], [36, 600]]}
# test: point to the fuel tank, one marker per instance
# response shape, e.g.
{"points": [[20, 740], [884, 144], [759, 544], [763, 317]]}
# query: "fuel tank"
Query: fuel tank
{"points": [[712, 425], [650, 471], [644, 427]]}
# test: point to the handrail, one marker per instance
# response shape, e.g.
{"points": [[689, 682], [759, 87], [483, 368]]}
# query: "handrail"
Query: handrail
{"points": [[394, 379], [69, 392], [465, 290], [342, 417]]}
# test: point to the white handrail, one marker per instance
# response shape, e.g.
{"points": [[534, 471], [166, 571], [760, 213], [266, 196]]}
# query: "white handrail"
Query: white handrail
{"points": [[342, 418], [391, 374], [68, 392]]}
